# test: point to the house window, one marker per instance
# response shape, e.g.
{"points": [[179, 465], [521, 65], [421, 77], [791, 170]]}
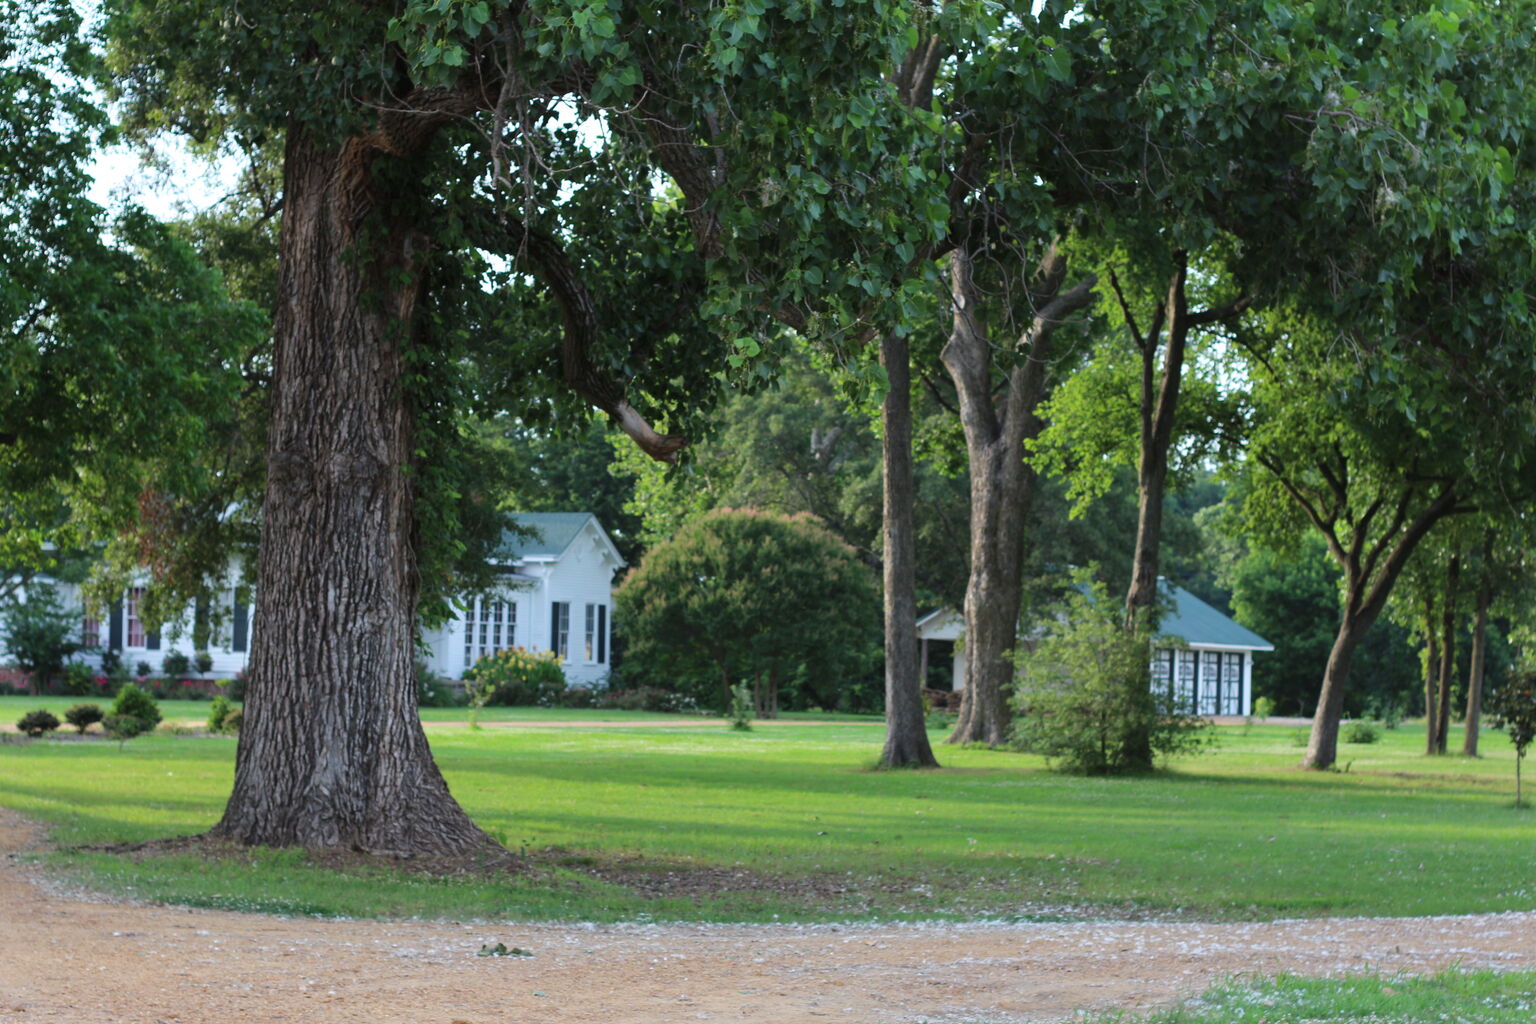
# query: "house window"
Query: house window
{"points": [[1210, 683], [589, 649], [136, 634], [239, 635], [1184, 680], [1162, 672], [560, 628], [489, 626], [1232, 684], [602, 634], [90, 632]]}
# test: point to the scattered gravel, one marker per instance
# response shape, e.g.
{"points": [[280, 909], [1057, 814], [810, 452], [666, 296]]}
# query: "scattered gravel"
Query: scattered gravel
{"points": [[81, 958]]}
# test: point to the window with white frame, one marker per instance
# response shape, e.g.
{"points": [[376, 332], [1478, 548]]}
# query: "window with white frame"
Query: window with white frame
{"points": [[137, 636], [490, 625], [1232, 684], [560, 628], [1210, 683], [1184, 680], [90, 631], [602, 634], [589, 649]]}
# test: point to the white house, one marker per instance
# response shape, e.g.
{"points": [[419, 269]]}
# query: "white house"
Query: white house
{"points": [[555, 594], [1211, 675]]}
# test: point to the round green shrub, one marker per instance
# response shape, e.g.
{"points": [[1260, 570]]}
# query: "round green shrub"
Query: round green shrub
{"points": [[83, 716], [133, 701], [35, 723], [1360, 732], [203, 662], [233, 720], [176, 664]]}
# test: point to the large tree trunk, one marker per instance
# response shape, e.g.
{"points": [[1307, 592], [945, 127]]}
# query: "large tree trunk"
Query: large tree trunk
{"points": [[1002, 484], [332, 753], [1475, 669], [906, 734]]}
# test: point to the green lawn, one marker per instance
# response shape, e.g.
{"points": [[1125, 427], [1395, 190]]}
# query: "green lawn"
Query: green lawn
{"points": [[687, 820], [1470, 997]]}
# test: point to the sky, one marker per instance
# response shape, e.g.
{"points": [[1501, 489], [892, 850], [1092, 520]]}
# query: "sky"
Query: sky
{"points": [[184, 185]]}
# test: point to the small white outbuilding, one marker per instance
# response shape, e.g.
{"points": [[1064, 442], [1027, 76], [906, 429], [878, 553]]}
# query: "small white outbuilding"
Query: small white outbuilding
{"points": [[1212, 674]]}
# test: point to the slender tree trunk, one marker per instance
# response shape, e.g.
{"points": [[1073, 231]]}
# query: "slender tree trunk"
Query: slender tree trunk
{"points": [[1323, 743], [332, 753], [906, 734], [1431, 675], [1475, 669], [1447, 654]]}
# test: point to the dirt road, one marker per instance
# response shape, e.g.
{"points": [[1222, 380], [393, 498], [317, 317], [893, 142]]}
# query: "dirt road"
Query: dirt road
{"points": [[81, 959]]}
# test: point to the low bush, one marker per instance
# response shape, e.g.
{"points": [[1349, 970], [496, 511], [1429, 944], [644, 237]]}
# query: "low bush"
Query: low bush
{"points": [[516, 676], [124, 727], [1263, 707], [650, 698], [35, 723], [433, 691], [203, 662], [175, 664], [142, 670], [233, 720], [218, 714], [742, 707], [83, 716], [581, 697], [134, 702], [1085, 697], [1360, 732], [79, 680]]}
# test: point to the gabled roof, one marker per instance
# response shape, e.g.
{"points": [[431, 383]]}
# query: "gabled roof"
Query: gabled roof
{"points": [[1185, 616], [1197, 623], [552, 533]]}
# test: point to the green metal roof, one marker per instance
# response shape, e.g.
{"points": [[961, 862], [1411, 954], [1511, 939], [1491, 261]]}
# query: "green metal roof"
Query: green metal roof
{"points": [[552, 534], [1196, 622]]}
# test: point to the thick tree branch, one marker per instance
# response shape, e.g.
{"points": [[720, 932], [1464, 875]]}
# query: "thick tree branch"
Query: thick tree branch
{"points": [[579, 319]]}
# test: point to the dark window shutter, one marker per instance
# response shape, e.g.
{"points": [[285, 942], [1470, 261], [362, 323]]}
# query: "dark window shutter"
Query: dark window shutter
{"points": [[152, 641], [115, 628], [554, 626], [241, 627], [200, 624], [602, 633]]}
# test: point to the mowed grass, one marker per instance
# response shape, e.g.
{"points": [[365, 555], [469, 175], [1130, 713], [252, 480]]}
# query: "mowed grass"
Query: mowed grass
{"points": [[1464, 997], [638, 817]]}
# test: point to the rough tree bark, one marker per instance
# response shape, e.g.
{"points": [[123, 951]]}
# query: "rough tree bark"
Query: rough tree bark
{"points": [[332, 753], [1002, 484], [906, 734]]}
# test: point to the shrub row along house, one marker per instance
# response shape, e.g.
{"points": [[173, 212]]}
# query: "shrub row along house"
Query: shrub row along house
{"points": [[1208, 671], [554, 593]]}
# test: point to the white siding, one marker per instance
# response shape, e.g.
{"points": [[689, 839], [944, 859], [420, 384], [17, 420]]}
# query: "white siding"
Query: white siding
{"points": [[582, 575]]}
